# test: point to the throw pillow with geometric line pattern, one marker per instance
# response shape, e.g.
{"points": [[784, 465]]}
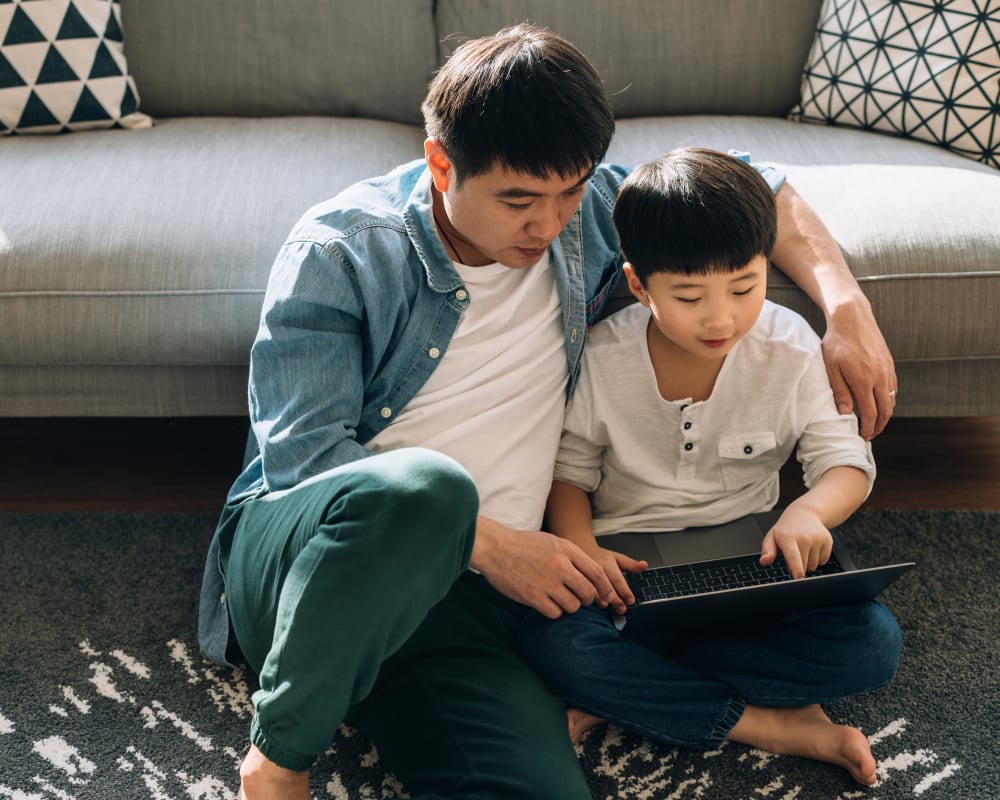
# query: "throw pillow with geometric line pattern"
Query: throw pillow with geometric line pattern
{"points": [[63, 68], [925, 69]]}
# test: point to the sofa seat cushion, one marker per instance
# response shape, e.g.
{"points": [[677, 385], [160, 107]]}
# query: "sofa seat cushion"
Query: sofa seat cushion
{"points": [[916, 223], [154, 247]]}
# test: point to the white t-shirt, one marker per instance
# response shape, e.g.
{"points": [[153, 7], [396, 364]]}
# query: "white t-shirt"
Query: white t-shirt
{"points": [[495, 402], [654, 464]]}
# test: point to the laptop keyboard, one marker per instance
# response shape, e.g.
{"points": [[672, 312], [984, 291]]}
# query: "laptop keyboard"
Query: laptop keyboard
{"points": [[730, 573]]}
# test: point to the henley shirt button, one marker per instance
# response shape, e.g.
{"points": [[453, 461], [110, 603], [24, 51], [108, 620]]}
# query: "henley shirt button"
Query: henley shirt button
{"points": [[461, 294], [687, 426], [386, 412], [747, 449], [689, 446], [434, 352], [683, 407]]}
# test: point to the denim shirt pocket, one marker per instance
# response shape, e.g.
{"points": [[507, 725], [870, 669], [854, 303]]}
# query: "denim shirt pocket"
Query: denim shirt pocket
{"points": [[746, 458]]}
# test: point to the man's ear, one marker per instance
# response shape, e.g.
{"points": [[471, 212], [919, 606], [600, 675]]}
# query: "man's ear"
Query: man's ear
{"points": [[634, 284], [440, 165]]}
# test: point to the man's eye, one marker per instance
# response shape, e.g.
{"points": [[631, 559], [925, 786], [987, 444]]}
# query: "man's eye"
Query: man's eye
{"points": [[688, 299], [518, 206]]}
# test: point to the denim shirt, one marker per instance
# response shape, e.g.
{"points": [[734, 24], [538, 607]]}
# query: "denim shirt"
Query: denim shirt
{"points": [[360, 307]]}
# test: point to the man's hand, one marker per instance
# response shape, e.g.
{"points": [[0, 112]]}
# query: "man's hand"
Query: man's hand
{"points": [[614, 565], [803, 540], [552, 575], [857, 359], [860, 367]]}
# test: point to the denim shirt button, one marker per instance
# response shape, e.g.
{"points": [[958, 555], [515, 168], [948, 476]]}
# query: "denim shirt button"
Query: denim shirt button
{"points": [[461, 294], [572, 336], [386, 412], [434, 352], [222, 599]]}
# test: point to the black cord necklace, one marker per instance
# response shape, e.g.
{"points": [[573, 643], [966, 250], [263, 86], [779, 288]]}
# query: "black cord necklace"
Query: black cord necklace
{"points": [[447, 238]]}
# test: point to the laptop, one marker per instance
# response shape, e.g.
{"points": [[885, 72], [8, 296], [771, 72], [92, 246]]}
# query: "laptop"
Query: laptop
{"points": [[712, 576]]}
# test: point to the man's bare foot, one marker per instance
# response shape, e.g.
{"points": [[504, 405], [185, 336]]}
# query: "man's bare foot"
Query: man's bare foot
{"points": [[579, 723], [810, 733], [262, 779]]}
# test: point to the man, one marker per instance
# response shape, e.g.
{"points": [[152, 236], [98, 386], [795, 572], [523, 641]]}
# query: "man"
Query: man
{"points": [[419, 337]]}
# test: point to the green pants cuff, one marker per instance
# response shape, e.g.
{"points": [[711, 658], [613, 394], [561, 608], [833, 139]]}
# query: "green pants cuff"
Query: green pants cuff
{"points": [[297, 762]]}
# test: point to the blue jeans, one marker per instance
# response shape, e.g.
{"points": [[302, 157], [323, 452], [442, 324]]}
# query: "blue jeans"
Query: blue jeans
{"points": [[690, 690]]}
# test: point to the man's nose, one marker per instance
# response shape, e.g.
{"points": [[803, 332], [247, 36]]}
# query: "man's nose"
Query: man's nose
{"points": [[546, 223]]}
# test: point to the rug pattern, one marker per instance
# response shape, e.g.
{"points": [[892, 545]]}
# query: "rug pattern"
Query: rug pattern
{"points": [[104, 694]]}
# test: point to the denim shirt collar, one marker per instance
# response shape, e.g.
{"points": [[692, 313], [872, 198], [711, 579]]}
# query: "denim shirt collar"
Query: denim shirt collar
{"points": [[418, 217]]}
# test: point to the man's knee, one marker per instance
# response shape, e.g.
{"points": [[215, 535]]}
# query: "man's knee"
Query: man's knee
{"points": [[408, 497], [422, 484]]}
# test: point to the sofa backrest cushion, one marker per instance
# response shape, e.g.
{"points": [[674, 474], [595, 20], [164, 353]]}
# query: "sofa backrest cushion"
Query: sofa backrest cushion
{"points": [[267, 58], [667, 56]]}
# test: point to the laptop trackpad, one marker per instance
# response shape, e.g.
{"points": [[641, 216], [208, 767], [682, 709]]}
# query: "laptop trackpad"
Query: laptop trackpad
{"points": [[737, 538]]}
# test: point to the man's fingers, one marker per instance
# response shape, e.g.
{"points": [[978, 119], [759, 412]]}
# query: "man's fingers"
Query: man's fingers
{"points": [[886, 400], [623, 593], [592, 572], [841, 391]]}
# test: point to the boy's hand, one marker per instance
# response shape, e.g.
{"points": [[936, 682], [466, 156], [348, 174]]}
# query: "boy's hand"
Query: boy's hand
{"points": [[803, 540], [613, 563]]}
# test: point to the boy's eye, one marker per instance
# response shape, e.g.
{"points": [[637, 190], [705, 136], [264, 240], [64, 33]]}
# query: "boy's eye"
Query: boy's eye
{"points": [[688, 299], [745, 291]]}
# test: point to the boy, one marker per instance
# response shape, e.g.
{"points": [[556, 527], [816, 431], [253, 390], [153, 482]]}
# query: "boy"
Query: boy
{"points": [[688, 403]]}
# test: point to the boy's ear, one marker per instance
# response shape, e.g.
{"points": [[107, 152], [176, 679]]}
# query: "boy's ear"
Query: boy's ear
{"points": [[634, 284], [439, 164]]}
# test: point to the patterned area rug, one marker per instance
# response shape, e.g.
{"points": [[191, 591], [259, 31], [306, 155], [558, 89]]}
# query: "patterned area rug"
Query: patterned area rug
{"points": [[103, 693]]}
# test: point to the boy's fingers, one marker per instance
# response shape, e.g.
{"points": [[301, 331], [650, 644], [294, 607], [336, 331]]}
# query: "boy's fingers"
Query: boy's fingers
{"points": [[793, 560], [768, 550], [630, 564]]}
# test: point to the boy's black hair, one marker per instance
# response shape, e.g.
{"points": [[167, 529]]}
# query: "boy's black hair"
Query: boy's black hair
{"points": [[524, 99], [694, 211]]}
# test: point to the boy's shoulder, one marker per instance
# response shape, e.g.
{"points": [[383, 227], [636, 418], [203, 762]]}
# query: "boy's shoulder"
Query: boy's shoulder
{"points": [[626, 325], [778, 327]]}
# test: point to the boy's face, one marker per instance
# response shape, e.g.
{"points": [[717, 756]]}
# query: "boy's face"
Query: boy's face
{"points": [[704, 315], [501, 216]]}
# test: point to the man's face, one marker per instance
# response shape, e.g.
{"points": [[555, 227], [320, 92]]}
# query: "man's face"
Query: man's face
{"points": [[507, 217]]}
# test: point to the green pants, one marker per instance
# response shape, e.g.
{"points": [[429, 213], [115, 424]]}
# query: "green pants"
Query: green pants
{"points": [[350, 597]]}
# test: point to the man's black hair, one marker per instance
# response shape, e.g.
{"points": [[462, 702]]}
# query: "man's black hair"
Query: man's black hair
{"points": [[524, 99], [694, 211]]}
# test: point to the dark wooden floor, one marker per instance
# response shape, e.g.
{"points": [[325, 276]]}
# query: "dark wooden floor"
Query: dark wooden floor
{"points": [[188, 464]]}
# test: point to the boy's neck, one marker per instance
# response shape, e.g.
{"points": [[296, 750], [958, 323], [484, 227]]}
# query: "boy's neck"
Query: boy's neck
{"points": [[680, 375]]}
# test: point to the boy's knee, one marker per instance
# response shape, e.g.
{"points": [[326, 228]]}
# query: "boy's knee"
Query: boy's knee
{"points": [[885, 637]]}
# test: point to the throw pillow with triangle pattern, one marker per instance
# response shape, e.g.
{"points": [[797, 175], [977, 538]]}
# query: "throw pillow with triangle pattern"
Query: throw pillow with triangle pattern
{"points": [[926, 69], [63, 68]]}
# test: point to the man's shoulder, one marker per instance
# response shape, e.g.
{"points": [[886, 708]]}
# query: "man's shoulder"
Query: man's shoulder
{"points": [[373, 204]]}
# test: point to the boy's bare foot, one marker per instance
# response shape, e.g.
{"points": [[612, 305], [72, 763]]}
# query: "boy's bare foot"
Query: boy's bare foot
{"points": [[579, 723], [262, 779], [810, 733]]}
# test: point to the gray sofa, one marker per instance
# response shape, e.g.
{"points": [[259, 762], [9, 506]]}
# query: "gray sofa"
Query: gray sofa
{"points": [[133, 263]]}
